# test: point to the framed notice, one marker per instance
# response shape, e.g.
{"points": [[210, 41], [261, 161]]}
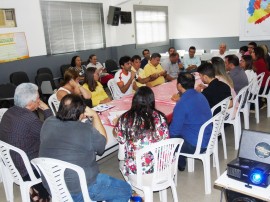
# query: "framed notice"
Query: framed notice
{"points": [[13, 46], [255, 20]]}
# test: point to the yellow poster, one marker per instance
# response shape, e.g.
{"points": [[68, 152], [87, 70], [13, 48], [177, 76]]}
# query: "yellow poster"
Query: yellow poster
{"points": [[13, 46]]}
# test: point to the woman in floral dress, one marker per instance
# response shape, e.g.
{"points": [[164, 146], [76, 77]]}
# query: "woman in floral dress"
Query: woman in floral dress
{"points": [[140, 126]]}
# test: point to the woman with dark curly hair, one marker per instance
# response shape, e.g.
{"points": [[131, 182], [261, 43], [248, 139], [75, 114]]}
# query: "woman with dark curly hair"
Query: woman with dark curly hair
{"points": [[142, 125]]}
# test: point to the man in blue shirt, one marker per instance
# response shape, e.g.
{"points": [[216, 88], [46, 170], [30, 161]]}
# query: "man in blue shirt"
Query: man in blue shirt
{"points": [[189, 114]]}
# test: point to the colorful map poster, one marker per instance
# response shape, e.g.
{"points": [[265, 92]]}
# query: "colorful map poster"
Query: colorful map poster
{"points": [[13, 46], [255, 20]]}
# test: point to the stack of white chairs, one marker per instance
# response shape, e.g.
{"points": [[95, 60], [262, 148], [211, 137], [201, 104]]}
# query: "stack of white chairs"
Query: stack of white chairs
{"points": [[266, 95], [53, 170], [12, 175]]}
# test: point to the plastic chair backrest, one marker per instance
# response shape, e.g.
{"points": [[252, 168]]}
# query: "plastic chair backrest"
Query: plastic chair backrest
{"points": [[238, 102], [264, 93], [223, 106], [111, 66], [216, 122], [166, 154], [19, 77], [2, 111], [256, 85], [114, 89], [53, 103], [9, 165], [63, 68], [53, 171]]}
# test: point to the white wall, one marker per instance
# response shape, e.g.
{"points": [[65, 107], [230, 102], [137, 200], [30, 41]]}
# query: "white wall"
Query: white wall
{"points": [[204, 18], [187, 19]]}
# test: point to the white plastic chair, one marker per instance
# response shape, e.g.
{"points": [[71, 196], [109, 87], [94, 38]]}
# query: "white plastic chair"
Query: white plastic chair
{"points": [[53, 171], [223, 106], [166, 154], [114, 89], [246, 106], [266, 95], [2, 111], [233, 116], [11, 174], [254, 95], [53, 103], [211, 149]]}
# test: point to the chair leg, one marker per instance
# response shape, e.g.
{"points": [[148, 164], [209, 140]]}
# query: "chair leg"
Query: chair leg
{"points": [[25, 192], [268, 106], [148, 193], [237, 132], [8, 186], [215, 155], [257, 116], [246, 115], [207, 174], [163, 195], [224, 141], [174, 193], [190, 162]]}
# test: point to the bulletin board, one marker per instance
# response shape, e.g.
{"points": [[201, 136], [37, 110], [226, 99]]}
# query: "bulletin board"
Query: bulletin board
{"points": [[255, 20], [13, 46]]}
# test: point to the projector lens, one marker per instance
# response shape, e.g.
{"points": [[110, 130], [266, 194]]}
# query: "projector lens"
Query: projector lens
{"points": [[256, 176]]}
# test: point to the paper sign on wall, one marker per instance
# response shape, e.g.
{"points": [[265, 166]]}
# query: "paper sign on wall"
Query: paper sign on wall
{"points": [[13, 46]]}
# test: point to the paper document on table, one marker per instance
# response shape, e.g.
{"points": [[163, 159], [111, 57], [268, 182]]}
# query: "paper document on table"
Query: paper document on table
{"points": [[102, 107], [114, 115]]}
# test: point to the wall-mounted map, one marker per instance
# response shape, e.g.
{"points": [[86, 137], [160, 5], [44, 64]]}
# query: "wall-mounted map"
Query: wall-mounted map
{"points": [[255, 20]]}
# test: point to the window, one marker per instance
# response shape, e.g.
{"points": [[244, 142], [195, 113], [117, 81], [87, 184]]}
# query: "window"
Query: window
{"points": [[7, 18], [72, 26], [151, 25]]}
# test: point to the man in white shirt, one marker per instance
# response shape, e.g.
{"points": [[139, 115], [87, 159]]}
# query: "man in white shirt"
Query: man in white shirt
{"points": [[125, 77], [191, 62], [222, 51], [171, 65]]}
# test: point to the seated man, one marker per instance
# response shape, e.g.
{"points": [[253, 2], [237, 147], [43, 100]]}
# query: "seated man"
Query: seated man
{"points": [[146, 55], [140, 77], [191, 62], [236, 73], [216, 90], [171, 65], [66, 138], [20, 127], [222, 51], [189, 114], [155, 70], [125, 77]]}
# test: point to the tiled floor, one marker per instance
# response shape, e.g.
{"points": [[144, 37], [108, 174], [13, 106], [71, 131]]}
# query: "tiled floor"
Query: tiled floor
{"points": [[190, 186]]}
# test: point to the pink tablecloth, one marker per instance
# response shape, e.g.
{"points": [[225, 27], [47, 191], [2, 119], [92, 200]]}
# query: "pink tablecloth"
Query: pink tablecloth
{"points": [[163, 94]]}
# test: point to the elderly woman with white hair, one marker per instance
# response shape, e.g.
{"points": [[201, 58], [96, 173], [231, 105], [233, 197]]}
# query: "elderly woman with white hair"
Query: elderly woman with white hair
{"points": [[20, 127]]}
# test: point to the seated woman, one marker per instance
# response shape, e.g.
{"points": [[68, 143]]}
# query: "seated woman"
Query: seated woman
{"points": [[91, 84], [76, 64], [140, 126], [104, 76], [71, 85]]}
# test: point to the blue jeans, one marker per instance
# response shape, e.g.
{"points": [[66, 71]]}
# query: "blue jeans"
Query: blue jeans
{"points": [[106, 188], [189, 149]]}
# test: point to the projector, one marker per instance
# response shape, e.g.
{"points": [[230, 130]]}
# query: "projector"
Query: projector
{"points": [[250, 172], [253, 163]]}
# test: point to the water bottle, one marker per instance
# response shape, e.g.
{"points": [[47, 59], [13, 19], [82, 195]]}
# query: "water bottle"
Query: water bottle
{"points": [[135, 199]]}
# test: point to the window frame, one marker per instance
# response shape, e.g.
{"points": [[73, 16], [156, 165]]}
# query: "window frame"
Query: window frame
{"points": [[154, 9], [47, 36]]}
